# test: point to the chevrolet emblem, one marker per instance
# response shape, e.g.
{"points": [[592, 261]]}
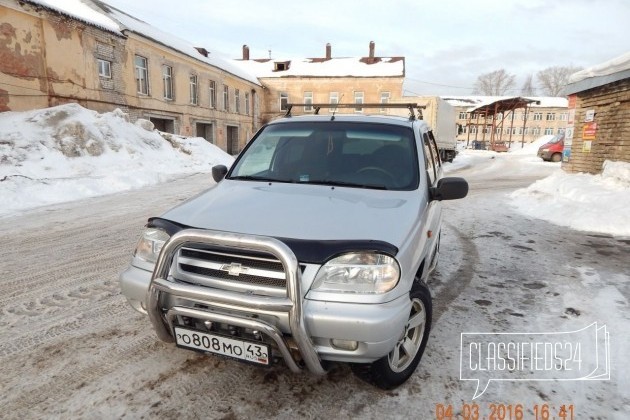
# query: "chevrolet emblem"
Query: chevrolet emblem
{"points": [[234, 269]]}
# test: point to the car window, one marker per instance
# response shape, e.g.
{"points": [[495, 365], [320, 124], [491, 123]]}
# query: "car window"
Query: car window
{"points": [[429, 159], [353, 154]]}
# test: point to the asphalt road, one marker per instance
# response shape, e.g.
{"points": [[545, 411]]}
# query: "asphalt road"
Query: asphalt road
{"points": [[70, 346]]}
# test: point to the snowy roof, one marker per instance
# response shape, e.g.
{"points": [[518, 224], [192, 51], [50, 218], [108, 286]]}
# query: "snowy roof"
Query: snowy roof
{"points": [[130, 23], [102, 15], [333, 67], [607, 72], [82, 11], [473, 101]]}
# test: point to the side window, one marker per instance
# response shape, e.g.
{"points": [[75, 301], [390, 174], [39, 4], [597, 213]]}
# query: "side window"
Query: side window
{"points": [[429, 159], [434, 149]]}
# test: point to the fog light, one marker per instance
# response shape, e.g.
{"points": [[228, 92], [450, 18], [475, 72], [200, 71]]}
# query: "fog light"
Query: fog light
{"points": [[344, 344]]}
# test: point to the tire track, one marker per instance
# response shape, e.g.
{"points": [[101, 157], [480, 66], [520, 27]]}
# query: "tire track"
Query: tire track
{"points": [[457, 282]]}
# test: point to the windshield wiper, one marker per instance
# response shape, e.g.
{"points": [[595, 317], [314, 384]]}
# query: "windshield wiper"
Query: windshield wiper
{"points": [[346, 184], [255, 178]]}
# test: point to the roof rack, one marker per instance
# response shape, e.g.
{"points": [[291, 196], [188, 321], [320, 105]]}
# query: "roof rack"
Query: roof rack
{"points": [[412, 107]]}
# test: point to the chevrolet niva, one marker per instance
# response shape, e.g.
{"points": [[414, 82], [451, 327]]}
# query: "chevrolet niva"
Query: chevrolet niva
{"points": [[313, 248]]}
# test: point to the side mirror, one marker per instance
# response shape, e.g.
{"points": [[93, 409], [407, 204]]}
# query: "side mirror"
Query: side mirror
{"points": [[218, 172], [451, 188]]}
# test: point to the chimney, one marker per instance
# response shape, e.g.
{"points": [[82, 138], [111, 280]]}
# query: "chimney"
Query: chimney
{"points": [[372, 45], [245, 52], [328, 51]]}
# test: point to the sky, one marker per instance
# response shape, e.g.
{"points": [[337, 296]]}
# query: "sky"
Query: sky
{"points": [[447, 43], [68, 153]]}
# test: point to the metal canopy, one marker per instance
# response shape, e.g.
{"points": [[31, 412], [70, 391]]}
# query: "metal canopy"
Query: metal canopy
{"points": [[493, 115]]}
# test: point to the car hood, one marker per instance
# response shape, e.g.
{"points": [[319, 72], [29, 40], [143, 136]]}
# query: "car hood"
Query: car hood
{"points": [[302, 211]]}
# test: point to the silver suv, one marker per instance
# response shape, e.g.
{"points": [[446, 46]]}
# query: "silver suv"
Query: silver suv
{"points": [[313, 248]]}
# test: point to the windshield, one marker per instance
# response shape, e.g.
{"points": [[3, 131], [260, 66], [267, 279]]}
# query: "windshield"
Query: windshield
{"points": [[361, 155], [556, 138]]}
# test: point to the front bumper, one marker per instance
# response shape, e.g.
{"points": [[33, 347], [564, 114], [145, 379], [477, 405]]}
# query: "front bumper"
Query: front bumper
{"points": [[301, 329]]}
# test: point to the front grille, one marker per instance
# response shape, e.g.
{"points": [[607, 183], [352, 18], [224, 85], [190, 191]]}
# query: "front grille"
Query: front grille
{"points": [[231, 269]]}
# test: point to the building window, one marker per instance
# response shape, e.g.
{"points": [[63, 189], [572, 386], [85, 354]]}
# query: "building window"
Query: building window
{"points": [[358, 99], [213, 94], [497, 130], [536, 131], [226, 98], [551, 116], [308, 100], [563, 116], [384, 99], [526, 131], [194, 94], [284, 101], [520, 130], [104, 68], [142, 75], [333, 99], [538, 116], [237, 101], [462, 115], [167, 78], [473, 129], [560, 131], [548, 130], [246, 103]]}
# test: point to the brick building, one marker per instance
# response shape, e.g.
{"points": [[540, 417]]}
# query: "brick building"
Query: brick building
{"points": [[353, 80], [102, 58], [599, 126]]}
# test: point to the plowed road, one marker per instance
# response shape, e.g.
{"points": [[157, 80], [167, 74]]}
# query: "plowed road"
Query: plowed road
{"points": [[70, 347]]}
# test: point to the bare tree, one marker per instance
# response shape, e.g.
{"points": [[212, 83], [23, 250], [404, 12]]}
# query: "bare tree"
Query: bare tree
{"points": [[554, 79], [495, 83], [528, 88]]}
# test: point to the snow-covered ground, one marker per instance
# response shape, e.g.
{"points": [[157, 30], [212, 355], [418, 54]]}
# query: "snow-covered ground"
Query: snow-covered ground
{"points": [[68, 153], [585, 202]]}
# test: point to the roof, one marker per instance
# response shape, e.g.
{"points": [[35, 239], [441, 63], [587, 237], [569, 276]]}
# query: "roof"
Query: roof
{"points": [[495, 106], [474, 101], [333, 67], [82, 11], [104, 16], [601, 74]]}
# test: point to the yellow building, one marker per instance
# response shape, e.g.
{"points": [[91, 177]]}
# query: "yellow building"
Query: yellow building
{"points": [[545, 116], [104, 59], [327, 80]]}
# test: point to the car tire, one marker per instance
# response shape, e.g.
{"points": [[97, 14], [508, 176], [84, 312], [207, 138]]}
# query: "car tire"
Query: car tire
{"points": [[397, 367], [556, 157]]}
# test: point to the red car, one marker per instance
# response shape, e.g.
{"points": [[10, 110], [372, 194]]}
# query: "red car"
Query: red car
{"points": [[552, 151]]}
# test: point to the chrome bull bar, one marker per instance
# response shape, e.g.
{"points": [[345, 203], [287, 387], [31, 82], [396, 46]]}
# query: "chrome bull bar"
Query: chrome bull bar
{"points": [[291, 304]]}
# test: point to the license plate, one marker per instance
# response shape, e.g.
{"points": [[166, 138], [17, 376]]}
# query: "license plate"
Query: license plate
{"points": [[239, 349]]}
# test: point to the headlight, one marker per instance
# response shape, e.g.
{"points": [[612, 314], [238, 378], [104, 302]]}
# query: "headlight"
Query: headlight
{"points": [[544, 150], [150, 244], [358, 272]]}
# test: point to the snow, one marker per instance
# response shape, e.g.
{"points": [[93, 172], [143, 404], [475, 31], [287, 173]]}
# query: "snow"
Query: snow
{"points": [[475, 101], [81, 11], [591, 203], [68, 153], [335, 67], [616, 65]]}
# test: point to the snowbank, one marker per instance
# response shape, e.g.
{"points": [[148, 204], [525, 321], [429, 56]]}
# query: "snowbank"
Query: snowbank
{"points": [[592, 203], [68, 153]]}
